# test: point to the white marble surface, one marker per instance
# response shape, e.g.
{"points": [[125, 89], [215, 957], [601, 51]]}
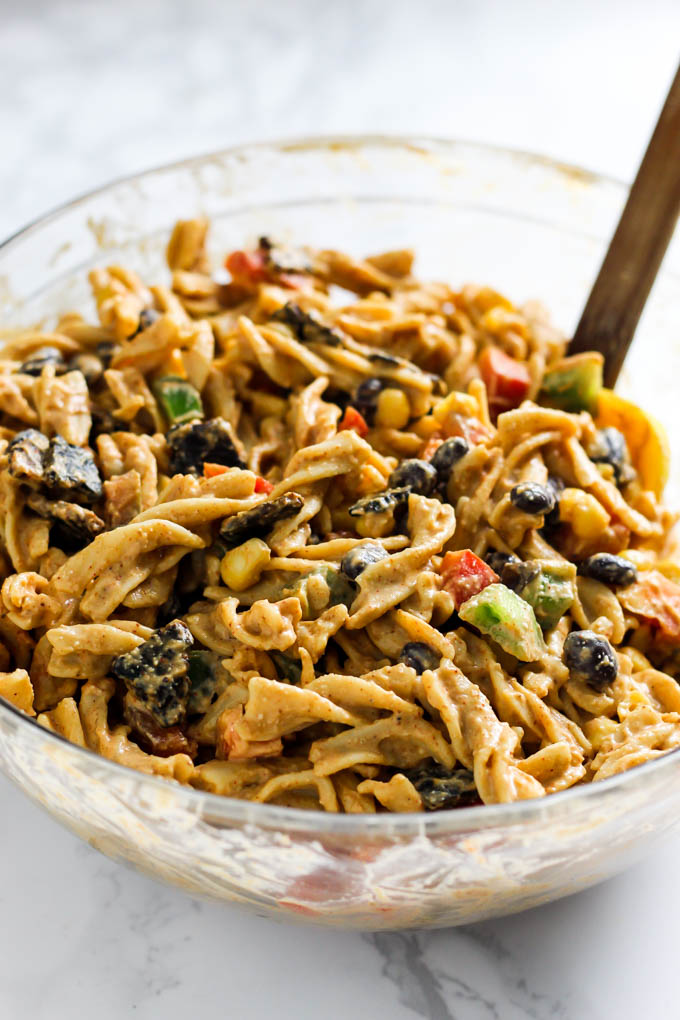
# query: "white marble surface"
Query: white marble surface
{"points": [[89, 91]]}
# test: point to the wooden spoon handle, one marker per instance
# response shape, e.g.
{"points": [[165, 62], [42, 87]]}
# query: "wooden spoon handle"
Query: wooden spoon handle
{"points": [[646, 226]]}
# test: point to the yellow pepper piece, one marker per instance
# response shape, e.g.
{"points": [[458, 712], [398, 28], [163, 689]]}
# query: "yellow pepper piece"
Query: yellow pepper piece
{"points": [[586, 515], [597, 730], [646, 438], [241, 567]]}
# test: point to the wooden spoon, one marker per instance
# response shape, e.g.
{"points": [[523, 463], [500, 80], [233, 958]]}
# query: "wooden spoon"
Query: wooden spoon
{"points": [[632, 261]]}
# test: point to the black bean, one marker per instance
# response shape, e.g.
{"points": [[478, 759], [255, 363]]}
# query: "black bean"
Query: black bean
{"points": [[590, 658], [380, 502], [609, 569], [446, 456], [532, 498], [366, 397], [517, 574], [259, 521], [357, 559], [497, 560], [440, 788], [419, 656], [35, 363], [610, 447], [417, 475]]}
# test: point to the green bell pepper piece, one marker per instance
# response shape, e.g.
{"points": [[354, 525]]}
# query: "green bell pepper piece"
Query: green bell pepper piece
{"points": [[288, 669], [573, 384], [507, 619], [551, 593], [181, 402]]}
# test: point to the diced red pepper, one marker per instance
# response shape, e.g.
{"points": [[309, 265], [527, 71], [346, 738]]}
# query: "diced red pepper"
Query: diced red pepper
{"points": [[247, 266], [507, 380], [294, 281], [212, 470], [351, 419], [464, 575], [657, 600], [430, 446], [262, 485], [471, 429]]}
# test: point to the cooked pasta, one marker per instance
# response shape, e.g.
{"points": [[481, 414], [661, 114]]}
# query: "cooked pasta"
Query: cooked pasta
{"points": [[315, 533]]}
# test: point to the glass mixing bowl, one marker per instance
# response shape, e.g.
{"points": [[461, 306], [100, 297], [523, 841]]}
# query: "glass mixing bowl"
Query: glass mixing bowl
{"points": [[530, 228]]}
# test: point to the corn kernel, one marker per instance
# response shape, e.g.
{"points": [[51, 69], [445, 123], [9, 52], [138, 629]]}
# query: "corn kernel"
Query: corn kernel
{"points": [[241, 567], [588, 518], [393, 410], [597, 730]]}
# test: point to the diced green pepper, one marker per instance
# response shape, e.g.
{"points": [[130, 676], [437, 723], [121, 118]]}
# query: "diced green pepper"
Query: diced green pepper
{"points": [[507, 619], [181, 402], [202, 680], [551, 593], [287, 668], [573, 384], [341, 589]]}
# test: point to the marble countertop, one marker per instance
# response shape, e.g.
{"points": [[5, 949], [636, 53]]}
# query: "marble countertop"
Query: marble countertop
{"points": [[91, 91]]}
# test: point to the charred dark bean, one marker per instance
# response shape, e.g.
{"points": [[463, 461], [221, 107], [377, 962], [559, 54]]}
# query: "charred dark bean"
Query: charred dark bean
{"points": [[194, 443], [517, 574], [446, 456], [532, 498], [306, 326], [608, 569], [259, 521], [35, 363], [590, 658], [380, 502], [157, 672], [357, 559], [417, 475], [439, 788], [419, 656]]}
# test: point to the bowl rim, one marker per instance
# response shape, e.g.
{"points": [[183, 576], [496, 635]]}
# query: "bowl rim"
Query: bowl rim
{"points": [[221, 808]]}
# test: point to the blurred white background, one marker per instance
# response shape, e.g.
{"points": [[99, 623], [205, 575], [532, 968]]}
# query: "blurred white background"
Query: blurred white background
{"points": [[92, 90]]}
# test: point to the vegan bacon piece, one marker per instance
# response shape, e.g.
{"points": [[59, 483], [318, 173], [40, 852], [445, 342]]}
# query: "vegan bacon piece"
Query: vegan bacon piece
{"points": [[193, 444], [157, 673]]}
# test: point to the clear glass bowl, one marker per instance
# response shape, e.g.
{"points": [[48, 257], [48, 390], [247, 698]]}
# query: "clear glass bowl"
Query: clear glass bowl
{"points": [[529, 227]]}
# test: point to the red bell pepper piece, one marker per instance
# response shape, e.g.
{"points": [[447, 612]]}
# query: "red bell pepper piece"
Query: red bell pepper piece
{"points": [[247, 266], [464, 575], [657, 600], [507, 380], [262, 485], [212, 470], [351, 419]]}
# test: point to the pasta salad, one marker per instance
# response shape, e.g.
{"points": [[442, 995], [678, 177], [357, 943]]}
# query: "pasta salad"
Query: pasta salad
{"points": [[308, 530]]}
